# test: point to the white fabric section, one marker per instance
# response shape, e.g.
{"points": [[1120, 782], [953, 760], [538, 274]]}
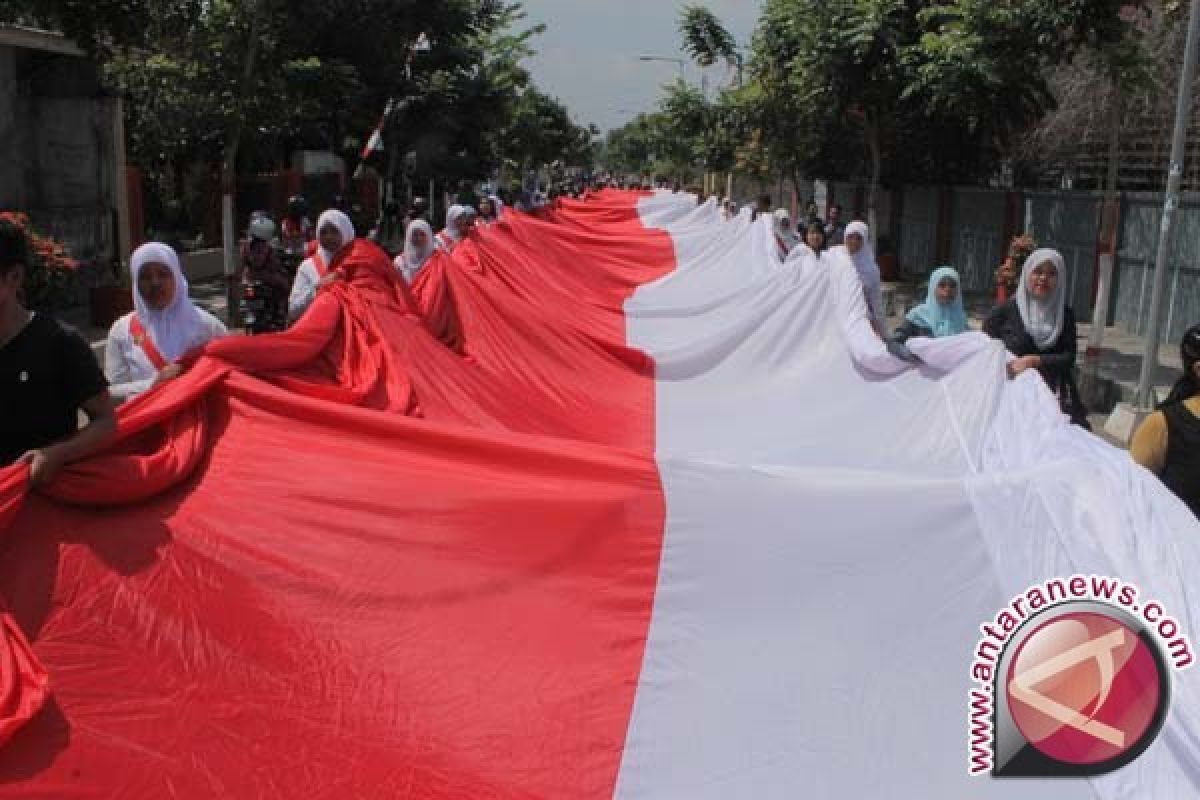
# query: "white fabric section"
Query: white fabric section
{"points": [[836, 537]]}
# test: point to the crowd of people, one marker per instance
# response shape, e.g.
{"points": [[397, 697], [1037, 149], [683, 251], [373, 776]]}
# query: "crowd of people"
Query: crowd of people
{"points": [[1036, 324], [1034, 321], [50, 375]]}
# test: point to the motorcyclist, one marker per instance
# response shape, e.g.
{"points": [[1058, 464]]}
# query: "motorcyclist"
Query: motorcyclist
{"points": [[296, 225], [261, 264]]}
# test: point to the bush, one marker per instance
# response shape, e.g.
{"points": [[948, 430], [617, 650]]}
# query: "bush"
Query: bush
{"points": [[51, 275]]}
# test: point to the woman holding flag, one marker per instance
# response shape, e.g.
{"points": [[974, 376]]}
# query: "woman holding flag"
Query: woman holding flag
{"points": [[335, 232], [163, 327]]}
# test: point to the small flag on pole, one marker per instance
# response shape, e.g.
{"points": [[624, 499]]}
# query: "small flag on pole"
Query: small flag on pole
{"points": [[374, 147]]}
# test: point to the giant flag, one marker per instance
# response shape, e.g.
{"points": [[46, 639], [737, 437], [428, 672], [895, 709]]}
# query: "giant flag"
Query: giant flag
{"points": [[614, 505]]}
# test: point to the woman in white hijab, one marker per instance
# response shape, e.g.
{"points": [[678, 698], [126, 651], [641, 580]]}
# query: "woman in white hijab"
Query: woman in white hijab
{"points": [[418, 248], [785, 234], [858, 249], [164, 325], [459, 220], [335, 232], [1038, 328]]}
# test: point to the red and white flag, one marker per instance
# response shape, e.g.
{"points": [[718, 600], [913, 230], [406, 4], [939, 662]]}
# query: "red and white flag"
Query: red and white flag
{"points": [[619, 506]]}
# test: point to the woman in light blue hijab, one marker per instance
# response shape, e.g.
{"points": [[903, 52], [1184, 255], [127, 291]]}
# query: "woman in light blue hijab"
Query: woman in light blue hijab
{"points": [[942, 312]]}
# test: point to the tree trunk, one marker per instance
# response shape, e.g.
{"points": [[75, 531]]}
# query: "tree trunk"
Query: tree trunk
{"points": [[797, 198], [1108, 227], [233, 137], [874, 148]]}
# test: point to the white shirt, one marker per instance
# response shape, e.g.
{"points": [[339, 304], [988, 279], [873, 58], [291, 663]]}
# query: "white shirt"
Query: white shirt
{"points": [[408, 273], [304, 289], [126, 364]]}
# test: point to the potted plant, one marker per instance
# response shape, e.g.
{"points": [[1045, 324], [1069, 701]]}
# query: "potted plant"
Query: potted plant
{"points": [[1008, 275], [51, 276]]}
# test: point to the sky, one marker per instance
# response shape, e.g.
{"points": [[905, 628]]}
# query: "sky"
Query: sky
{"points": [[588, 56]]}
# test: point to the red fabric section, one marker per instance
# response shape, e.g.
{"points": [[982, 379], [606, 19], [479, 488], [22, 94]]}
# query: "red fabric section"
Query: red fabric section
{"points": [[143, 340], [319, 262], [349, 561]]}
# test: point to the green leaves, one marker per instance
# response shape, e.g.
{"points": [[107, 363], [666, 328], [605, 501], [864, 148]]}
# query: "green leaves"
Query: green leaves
{"points": [[926, 75], [705, 39], [541, 131]]}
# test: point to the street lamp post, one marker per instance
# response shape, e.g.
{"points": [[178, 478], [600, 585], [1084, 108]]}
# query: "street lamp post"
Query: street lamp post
{"points": [[678, 61]]}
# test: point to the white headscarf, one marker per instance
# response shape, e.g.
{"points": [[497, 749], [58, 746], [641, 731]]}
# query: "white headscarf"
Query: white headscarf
{"points": [[415, 257], [785, 230], [1043, 318], [453, 214], [345, 227], [497, 206], [864, 263], [180, 326]]}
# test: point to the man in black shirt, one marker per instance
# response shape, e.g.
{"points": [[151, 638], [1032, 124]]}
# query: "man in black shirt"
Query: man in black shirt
{"points": [[835, 231], [47, 374]]}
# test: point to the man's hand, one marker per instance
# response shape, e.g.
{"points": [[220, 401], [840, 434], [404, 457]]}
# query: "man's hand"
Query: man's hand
{"points": [[43, 464]]}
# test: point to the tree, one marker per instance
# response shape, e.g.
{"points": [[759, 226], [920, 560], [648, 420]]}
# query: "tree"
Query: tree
{"points": [[541, 132], [94, 25], [1104, 94], [636, 146], [463, 93], [937, 87], [705, 39]]}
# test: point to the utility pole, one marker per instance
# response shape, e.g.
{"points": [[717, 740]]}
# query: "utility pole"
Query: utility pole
{"points": [[1124, 419], [1166, 237]]}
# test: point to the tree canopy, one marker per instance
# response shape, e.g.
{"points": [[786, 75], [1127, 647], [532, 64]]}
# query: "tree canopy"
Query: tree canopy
{"points": [[930, 91], [248, 82]]}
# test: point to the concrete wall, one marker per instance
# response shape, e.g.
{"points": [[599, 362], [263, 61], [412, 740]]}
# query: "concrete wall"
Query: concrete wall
{"points": [[57, 141], [13, 134], [202, 265]]}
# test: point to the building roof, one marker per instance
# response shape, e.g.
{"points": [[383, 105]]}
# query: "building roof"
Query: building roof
{"points": [[34, 39]]}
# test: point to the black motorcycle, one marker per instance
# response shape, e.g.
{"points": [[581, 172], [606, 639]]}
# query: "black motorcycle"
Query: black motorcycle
{"points": [[291, 255], [261, 308]]}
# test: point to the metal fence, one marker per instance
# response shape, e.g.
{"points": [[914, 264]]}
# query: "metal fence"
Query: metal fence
{"points": [[1138, 246], [977, 244], [971, 232], [1070, 223], [916, 243]]}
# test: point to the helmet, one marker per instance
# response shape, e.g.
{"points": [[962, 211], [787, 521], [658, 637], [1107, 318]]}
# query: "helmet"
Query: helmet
{"points": [[261, 227]]}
